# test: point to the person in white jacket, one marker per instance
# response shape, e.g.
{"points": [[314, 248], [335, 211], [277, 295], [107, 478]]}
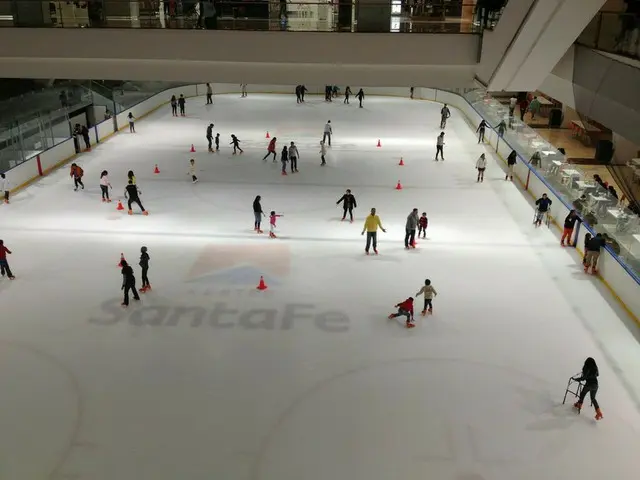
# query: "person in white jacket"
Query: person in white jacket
{"points": [[192, 170], [327, 132], [293, 157], [481, 165], [105, 186], [4, 187], [429, 293], [323, 152]]}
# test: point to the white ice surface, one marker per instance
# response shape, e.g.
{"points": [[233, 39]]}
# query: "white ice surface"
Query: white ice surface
{"points": [[91, 391]]}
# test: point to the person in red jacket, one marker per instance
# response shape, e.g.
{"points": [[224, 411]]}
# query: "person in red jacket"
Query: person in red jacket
{"points": [[271, 150], [4, 266], [405, 308]]}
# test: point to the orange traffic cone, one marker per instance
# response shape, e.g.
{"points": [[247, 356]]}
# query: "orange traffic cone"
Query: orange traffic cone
{"points": [[268, 136], [193, 149], [262, 285], [399, 186], [401, 162], [120, 206], [156, 169], [121, 259], [379, 144]]}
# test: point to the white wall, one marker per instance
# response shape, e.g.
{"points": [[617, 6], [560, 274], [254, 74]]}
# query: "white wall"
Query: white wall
{"points": [[623, 283]]}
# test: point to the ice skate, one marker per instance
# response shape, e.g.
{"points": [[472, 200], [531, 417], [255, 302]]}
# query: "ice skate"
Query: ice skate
{"points": [[430, 311], [351, 221], [195, 181], [577, 406], [423, 313], [586, 269], [104, 200], [124, 305], [130, 212], [598, 414], [272, 235], [75, 189], [594, 271], [410, 325], [284, 174], [12, 278], [391, 316], [375, 251], [259, 231], [6, 202], [145, 213], [366, 252], [108, 200]]}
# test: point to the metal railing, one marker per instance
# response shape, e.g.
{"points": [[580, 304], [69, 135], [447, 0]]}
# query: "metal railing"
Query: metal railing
{"points": [[403, 16], [596, 205], [613, 32]]}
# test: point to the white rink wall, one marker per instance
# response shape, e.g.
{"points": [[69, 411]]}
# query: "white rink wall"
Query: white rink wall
{"points": [[622, 282]]}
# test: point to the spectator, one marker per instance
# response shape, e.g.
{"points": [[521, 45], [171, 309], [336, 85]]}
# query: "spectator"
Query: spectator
{"points": [[594, 246]]}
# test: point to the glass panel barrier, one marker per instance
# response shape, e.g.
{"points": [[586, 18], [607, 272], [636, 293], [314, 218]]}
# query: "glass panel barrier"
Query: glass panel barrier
{"points": [[403, 16], [597, 205], [613, 32]]}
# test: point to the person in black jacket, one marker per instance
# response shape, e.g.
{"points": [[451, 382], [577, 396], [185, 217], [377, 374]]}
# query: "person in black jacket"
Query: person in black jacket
{"points": [[236, 144], [511, 162], [181, 104], [480, 131], [144, 264], [257, 214], [593, 253], [348, 205], [85, 136], [589, 376], [132, 193], [569, 224], [360, 96], [303, 90], [298, 94], [542, 204], [128, 283], [210, 136]]}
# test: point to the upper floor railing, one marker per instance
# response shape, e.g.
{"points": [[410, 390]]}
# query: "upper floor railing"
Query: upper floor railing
{"points": [[403, 16], [613, 32]]}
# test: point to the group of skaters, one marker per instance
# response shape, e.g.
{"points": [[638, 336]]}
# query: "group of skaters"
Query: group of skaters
{"points": [[129, 279], [333, 91], [405, 308]]}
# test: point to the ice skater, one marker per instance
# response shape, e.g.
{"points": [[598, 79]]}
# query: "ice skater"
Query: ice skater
{"points": [[542, 209], [4, 265], [105, 186], [371, 224], [348, 201], [303, 90], [593, 248], [132, 123], [429, 294], [174, 106], [360, 97], [76, 173], [481, 165], [589, 376], [327, 132], [144, 264], [243, 89], [128, 283], [323, 152], [298, 93], [132, 193], [5, 187], [480, 131], [423, 223], [236, 144], [569, 225], [181, 103], [284, 158], [272, 223], [209, 136], [445, 113], [411, 93], [511, 163], [271, 150], [440, 146], [405, 309], [209, 95], [257, 214], [192, 171], [217, 142], [347, 94], [293, 157], [410, 229]]}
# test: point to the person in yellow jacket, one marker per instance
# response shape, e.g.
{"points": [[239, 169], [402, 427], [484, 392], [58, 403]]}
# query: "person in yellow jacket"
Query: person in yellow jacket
{"points": [[371, 224]]}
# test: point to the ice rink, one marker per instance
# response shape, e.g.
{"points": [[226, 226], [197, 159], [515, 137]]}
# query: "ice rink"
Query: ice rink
{"points": [[208, 378]]}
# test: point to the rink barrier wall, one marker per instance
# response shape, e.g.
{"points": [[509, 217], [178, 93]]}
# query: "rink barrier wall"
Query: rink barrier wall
{"points": [[621, 281]]}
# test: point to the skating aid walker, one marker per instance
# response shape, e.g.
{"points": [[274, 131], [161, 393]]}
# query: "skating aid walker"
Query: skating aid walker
{"points": [[571, 385]]}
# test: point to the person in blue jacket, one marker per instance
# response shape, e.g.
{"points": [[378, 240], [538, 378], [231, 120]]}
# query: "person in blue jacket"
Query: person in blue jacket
{"points": [[542, 208]]}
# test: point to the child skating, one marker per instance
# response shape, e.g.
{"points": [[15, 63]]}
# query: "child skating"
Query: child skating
{"points": [[4, 265], [132, 123], [192, 171], [236, 144], [128, 283], [144, 264], [105, 186], [405, 308], [481, 165], [323, 152], [76, 173], [132, 193], [272, 224], [4, 187], [271, 150], [217, 142], [423, 223], [589, 376], [284, 158], [429, 293]]}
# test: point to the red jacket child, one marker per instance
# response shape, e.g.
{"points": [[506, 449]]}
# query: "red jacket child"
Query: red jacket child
{"points": [[407, 306], [272, 145]]}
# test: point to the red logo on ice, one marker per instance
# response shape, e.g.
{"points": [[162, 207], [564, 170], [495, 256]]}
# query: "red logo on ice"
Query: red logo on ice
{"points": [[218, 261]]}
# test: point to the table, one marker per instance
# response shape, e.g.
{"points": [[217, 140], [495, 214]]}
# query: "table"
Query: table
{"points": [[555, 166], [585, 185], [615, 212], [569, 172]]}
